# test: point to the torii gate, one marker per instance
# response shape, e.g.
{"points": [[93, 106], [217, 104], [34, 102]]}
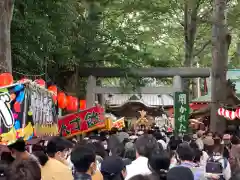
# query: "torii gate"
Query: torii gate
{"points": [[177, 73]]}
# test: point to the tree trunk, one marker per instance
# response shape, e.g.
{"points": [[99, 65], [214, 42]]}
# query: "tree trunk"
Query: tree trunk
{"points": [[220, 45], [6, 9], [72, 83], [190, 28]]}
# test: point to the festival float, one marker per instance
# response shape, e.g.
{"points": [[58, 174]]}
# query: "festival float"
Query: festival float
{"points": [[27, 109], [112, 122], [142, 123]]}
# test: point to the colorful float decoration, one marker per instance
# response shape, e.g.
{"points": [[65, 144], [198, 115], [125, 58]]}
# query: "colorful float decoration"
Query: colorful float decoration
{"points": [[46, 130], [142, 123], [111, 121], [24, 105], [81, 122], [120, 123], [169, 125], [29, 108], [11, 136]]}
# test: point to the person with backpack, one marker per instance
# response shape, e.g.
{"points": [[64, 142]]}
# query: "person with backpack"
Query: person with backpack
{"points": [[186, 156], [217, 165]]}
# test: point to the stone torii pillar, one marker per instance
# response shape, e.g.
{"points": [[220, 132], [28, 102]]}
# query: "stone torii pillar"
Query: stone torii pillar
{"points": [[90, 91], [177, 84]]}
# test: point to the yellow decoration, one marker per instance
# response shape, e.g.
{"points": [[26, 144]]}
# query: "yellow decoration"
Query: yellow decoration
{"points": [[43, 130], [10, 136], [142, 121], [108, 123], [13, 134], [118, 123], [30, 113], [28, 131], [19, 133]]}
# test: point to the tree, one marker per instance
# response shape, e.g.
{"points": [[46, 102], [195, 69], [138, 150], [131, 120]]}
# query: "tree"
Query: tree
{"points": [[6, 8], [57, 37], [68, 34], [221, 40]]}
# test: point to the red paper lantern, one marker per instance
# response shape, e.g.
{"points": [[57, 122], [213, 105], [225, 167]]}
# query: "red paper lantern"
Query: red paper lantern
{"points": [[6, 79], [221, 111], [237, 113], [40, 82], [74, 104], [226, 114], [82, 104], [232, 115], [53, 89], [62, 100], [69, 103]]}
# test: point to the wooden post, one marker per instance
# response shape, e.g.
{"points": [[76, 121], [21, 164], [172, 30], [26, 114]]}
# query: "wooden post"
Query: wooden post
{"points": [[90, 91]]}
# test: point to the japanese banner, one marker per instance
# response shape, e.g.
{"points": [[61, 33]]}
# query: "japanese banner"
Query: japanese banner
{"points": [[84, 121], [181, 112]]}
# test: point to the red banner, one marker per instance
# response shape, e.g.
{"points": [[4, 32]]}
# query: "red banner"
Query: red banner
{"points": [[84, 121]]}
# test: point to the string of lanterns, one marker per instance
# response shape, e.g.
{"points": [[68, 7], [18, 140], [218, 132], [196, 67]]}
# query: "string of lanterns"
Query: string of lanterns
{"points": [[64, 101], [69, 103], [229, 114]]}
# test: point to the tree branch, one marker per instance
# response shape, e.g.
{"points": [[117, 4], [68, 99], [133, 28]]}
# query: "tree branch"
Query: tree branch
{"points": [[202, 48]]}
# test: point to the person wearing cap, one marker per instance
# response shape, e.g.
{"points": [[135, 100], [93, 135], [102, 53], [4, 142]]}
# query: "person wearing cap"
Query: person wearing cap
{"points": [[113, 168], [56, 167]]}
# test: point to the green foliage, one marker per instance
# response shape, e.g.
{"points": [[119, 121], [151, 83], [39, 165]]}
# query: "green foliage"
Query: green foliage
{"points": [[60, 35]]}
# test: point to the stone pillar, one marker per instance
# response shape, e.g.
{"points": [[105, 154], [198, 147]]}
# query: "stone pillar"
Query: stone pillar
{"points": [[177, 83], [90, 91]]}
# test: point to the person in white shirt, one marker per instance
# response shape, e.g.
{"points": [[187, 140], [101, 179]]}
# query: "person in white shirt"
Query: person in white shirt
{"points": [[199, 140], [217, 156], [145, 145]]}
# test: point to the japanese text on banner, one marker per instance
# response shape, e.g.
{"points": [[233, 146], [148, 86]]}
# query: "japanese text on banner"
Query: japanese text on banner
{"points": [[181, 112]]}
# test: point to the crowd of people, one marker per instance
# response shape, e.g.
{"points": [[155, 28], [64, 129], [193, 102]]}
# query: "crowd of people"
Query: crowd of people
{"points": [[119, 155]]}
